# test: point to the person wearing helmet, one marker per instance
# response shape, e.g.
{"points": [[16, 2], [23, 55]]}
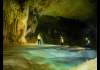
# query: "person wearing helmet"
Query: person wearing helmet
{"points": [[39, 39], [87, 43], [61, 41]]}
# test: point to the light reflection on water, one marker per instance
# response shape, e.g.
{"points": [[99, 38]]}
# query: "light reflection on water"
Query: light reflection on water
{"points": [[62, 59]]}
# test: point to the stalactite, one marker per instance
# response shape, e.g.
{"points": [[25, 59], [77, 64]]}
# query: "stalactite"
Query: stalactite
{"points": [[10, 16], [5, 31], [4, 24], [8, 31], [15, 21], [28, 31], [7, 40], [15, 25]]}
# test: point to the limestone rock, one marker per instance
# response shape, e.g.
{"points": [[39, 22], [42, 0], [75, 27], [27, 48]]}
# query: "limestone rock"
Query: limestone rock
{"points": [[89, 65]]}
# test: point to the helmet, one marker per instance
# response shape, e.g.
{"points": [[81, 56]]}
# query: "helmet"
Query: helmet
{"points": [[86, 38]]}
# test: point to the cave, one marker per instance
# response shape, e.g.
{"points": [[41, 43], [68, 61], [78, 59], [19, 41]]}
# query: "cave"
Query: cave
{"points": [[23, 20]]}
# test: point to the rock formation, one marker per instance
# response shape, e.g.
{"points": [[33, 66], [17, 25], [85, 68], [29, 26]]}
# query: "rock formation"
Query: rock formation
{"points": [[22, 18]]}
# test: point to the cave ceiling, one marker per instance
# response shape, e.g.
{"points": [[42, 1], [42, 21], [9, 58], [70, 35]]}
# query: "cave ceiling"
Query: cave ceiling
{"points": [[72, 9]]}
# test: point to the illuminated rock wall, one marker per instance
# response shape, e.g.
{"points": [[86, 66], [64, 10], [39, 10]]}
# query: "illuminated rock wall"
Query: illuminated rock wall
{"points": [[14, 21], [88, 65], [19, 19]]}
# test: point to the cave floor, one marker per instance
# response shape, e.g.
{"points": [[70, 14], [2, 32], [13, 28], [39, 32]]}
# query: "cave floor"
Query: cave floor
{"points": [[44, 57]]}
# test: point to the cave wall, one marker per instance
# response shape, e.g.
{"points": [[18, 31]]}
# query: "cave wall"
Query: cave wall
{"points": [[24, 19], [15, 18], [52, 28], [73, 31]]}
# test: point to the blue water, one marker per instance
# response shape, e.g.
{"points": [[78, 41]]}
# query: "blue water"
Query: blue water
{"points": [[60, 59]]}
